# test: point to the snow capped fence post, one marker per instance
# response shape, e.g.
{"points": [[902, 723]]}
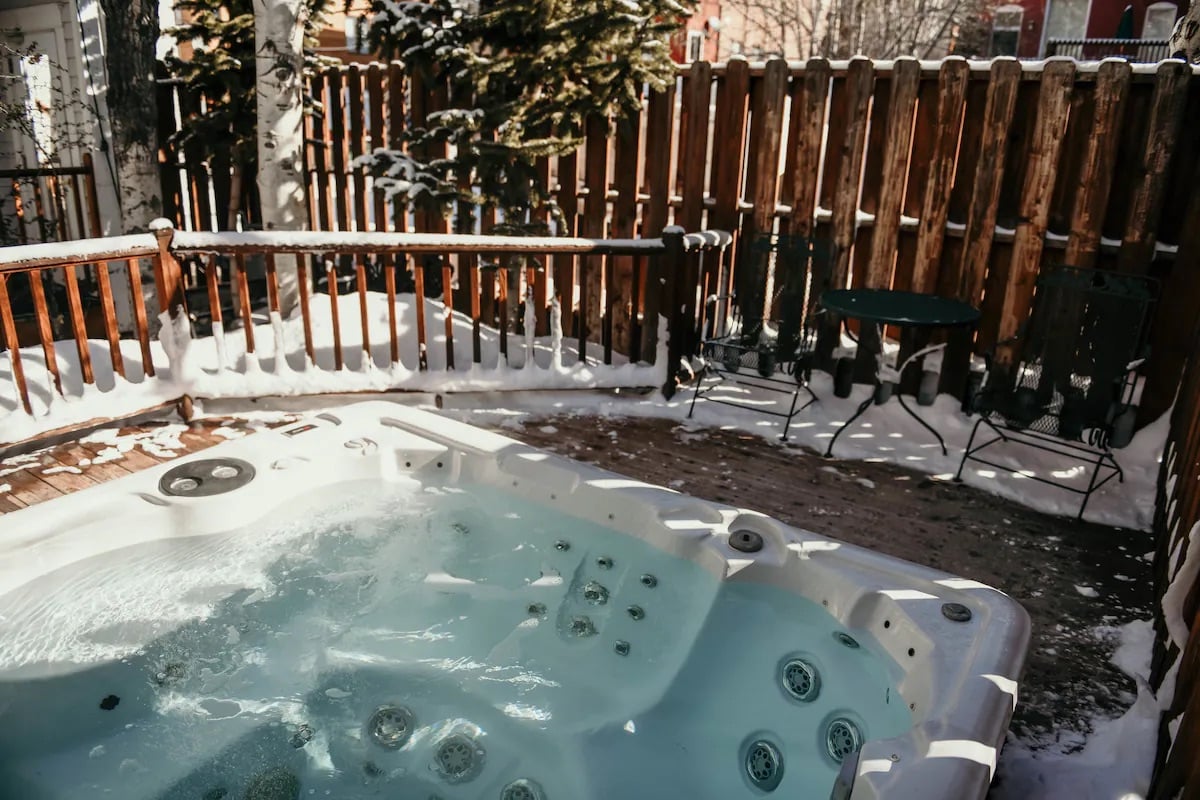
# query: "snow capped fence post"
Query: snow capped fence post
{"points": [[168, 276], [175, 331], [672, 268]]}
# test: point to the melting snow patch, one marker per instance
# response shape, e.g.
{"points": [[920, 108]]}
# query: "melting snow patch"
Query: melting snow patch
{"points": [[548, 429], [56, 470], [1086, 591]]}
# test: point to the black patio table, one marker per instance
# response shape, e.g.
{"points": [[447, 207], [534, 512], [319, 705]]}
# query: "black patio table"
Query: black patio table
{"points": [[905, 310]]}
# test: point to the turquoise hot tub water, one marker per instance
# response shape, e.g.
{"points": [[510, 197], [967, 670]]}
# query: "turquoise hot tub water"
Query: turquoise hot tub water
{"points": [[402, 640]]}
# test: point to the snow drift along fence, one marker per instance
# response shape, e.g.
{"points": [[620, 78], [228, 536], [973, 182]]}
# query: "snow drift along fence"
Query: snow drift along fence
{"points": [[1175, 673], [364, 312]]}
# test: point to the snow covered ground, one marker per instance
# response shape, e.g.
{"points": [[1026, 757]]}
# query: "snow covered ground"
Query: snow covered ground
{"points": [[1113, 761]]}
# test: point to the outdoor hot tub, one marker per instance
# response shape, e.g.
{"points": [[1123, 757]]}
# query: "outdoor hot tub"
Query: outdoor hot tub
{"points": [[381, 602]]}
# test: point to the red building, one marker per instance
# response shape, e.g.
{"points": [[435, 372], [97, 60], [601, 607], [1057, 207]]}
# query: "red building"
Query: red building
{"points": [[1025, 28], [698, 42]]}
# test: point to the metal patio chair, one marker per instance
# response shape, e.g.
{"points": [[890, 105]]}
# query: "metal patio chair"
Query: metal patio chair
{"points": [[1067, 384], [773, 355]]}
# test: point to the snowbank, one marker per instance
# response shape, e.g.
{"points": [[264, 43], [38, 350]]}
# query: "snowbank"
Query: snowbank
{"points": [[1117, 757]]}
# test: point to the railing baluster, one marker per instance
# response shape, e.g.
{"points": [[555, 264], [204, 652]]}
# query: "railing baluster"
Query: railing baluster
{"points": [[80, 220], [360, 274], [332, 288], [448, 300], [272, 283], [502, 282], [389, 276], [40, 207], [609, 305], [273, 308], [581, 318], [472, 264], [42, 314], [19, 211], [243, 290], [305, 310], [636, 292], [140, 326], [78, 325], [104, 286], [14, 347], [60, 209], [419, 299], [214, 298]]}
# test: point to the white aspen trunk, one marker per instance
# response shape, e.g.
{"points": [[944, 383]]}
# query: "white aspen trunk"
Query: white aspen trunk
{"points": [[1185, 39], [131, 34], [138, 191], [279, 42]]}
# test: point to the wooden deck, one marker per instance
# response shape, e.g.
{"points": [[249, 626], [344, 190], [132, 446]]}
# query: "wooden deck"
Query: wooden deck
{"points": [[56, 471], [1039, 560]]}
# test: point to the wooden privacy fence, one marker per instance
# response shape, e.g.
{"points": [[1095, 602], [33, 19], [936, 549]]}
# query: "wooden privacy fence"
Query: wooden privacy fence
{"points": [[1175, 668], [955, 177], [421, 311]]}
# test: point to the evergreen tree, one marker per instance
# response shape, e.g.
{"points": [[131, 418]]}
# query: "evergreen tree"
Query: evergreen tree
{"points": [[220, 36], [526, 74]]}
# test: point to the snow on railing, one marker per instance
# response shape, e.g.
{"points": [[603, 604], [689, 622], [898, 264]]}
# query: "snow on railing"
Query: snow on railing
{"points": [[294, 313]]}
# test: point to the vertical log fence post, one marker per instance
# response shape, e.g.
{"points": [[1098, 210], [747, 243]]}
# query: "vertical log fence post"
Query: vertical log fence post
{"points": [[679, 327]]}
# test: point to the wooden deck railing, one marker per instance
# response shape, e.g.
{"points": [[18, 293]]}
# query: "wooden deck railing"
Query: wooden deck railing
{"points": [[39, 270], [369, 311]]}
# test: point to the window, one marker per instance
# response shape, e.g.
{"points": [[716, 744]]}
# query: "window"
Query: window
{"points": [[1160, 21], [695, 46], [1067, 19], [356, 34], [1006, 30]]}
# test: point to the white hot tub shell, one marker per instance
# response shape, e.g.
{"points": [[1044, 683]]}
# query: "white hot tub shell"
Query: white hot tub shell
{"points": [[959, 678]]}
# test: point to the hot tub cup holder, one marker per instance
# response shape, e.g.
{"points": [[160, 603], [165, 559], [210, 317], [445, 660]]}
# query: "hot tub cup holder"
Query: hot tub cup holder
{"points": [[206, 477]]}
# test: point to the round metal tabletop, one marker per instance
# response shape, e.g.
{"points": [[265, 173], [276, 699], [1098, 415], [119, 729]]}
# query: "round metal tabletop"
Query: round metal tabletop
{"points": [[904, 309]]}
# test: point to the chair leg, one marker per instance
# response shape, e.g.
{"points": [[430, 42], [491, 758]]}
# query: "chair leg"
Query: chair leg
{"points": [[967, 451], [696, 393], [787, 422], [1091, 486]]}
